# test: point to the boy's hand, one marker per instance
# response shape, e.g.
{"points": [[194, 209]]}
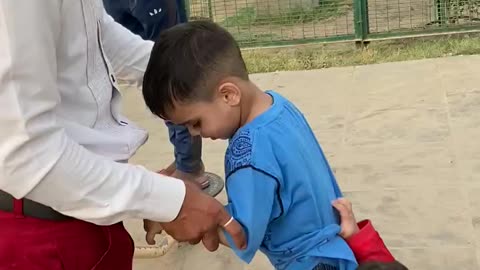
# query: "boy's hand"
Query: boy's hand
{"points": [[199, 219], [348, 223], [151, 228]]}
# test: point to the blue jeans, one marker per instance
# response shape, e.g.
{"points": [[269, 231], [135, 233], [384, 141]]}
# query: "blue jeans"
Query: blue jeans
{"points": [[188, 149], [148, 18]]}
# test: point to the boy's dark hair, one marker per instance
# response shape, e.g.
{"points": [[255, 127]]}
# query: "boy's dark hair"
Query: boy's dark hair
{"points": [[382, 266], [187, 62]]}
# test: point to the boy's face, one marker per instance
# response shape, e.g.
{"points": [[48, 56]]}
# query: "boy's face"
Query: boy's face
{"points": [[215, 119]]}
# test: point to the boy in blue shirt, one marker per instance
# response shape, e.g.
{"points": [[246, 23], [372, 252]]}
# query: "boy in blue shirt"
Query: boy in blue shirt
{"points": [[279, 184]]}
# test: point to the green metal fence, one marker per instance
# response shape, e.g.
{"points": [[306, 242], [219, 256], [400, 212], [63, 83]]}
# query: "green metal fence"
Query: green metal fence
{"points": [[279, 22]]}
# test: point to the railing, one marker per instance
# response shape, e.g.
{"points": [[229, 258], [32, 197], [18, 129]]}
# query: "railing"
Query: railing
{"points": [[283, 22]]}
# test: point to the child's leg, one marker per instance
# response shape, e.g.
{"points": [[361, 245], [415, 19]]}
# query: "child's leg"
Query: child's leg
{"points": [[188, 149], [188, 163]]}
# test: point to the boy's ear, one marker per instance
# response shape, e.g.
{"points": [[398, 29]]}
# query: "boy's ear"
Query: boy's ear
{"points": [[230, 93]]}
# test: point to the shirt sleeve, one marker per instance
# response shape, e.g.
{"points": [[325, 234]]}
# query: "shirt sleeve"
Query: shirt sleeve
{"points": [[368, 246], [37, 159], [251, 196], [128, 53]]}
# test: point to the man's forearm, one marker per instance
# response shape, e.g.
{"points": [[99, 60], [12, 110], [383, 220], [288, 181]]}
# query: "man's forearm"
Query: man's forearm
{"points": [[86, 186]]}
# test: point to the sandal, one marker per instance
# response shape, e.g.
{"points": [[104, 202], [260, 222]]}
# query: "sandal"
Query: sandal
{"points": [[212, 185]]}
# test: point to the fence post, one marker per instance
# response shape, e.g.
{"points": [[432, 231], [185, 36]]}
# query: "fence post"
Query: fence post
{"points": [[186, 5], [441, 11], [183, 10], [210, 9], [360, 17]]}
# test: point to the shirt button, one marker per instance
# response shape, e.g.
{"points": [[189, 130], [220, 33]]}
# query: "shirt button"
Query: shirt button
{"points": [[113, 78]]}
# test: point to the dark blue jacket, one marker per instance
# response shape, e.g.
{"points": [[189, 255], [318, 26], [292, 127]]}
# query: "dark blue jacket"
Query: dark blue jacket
{"points": [[147, 18]]}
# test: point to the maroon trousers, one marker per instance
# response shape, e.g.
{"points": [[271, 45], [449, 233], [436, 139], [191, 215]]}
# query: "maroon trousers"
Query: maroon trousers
{"points": [[29, 244]]}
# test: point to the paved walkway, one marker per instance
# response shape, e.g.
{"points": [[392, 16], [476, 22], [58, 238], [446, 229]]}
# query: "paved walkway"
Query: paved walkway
{"points": [[404, 140]]}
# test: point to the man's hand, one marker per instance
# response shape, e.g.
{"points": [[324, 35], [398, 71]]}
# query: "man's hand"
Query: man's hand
{"points": [[152, 228], [199, 219], [348, 223]]}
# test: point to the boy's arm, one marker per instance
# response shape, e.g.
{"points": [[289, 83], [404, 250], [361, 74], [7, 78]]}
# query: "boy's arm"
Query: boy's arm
{"points": [[251, 196], [365, 242]]}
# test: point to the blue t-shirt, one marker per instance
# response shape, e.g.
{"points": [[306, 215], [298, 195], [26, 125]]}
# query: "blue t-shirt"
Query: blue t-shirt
{"points": [[280, 188]]}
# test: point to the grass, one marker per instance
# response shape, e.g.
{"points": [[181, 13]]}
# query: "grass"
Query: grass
{"points": [[246, 38], [247, 17], [336, 55], [245, 25]]}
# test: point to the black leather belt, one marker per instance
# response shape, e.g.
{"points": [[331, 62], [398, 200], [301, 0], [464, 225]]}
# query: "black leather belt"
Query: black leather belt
{"points": [[31, 208]]}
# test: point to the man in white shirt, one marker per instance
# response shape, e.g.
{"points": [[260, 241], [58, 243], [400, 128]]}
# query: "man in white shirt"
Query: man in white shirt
{"points": [[64, 144]]}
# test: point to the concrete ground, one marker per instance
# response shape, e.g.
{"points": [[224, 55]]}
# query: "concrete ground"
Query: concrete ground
{"points": [[404, 140]]}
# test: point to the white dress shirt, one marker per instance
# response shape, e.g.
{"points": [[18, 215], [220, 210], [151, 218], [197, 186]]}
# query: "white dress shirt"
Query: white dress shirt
{"points": [[61, 131]]}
